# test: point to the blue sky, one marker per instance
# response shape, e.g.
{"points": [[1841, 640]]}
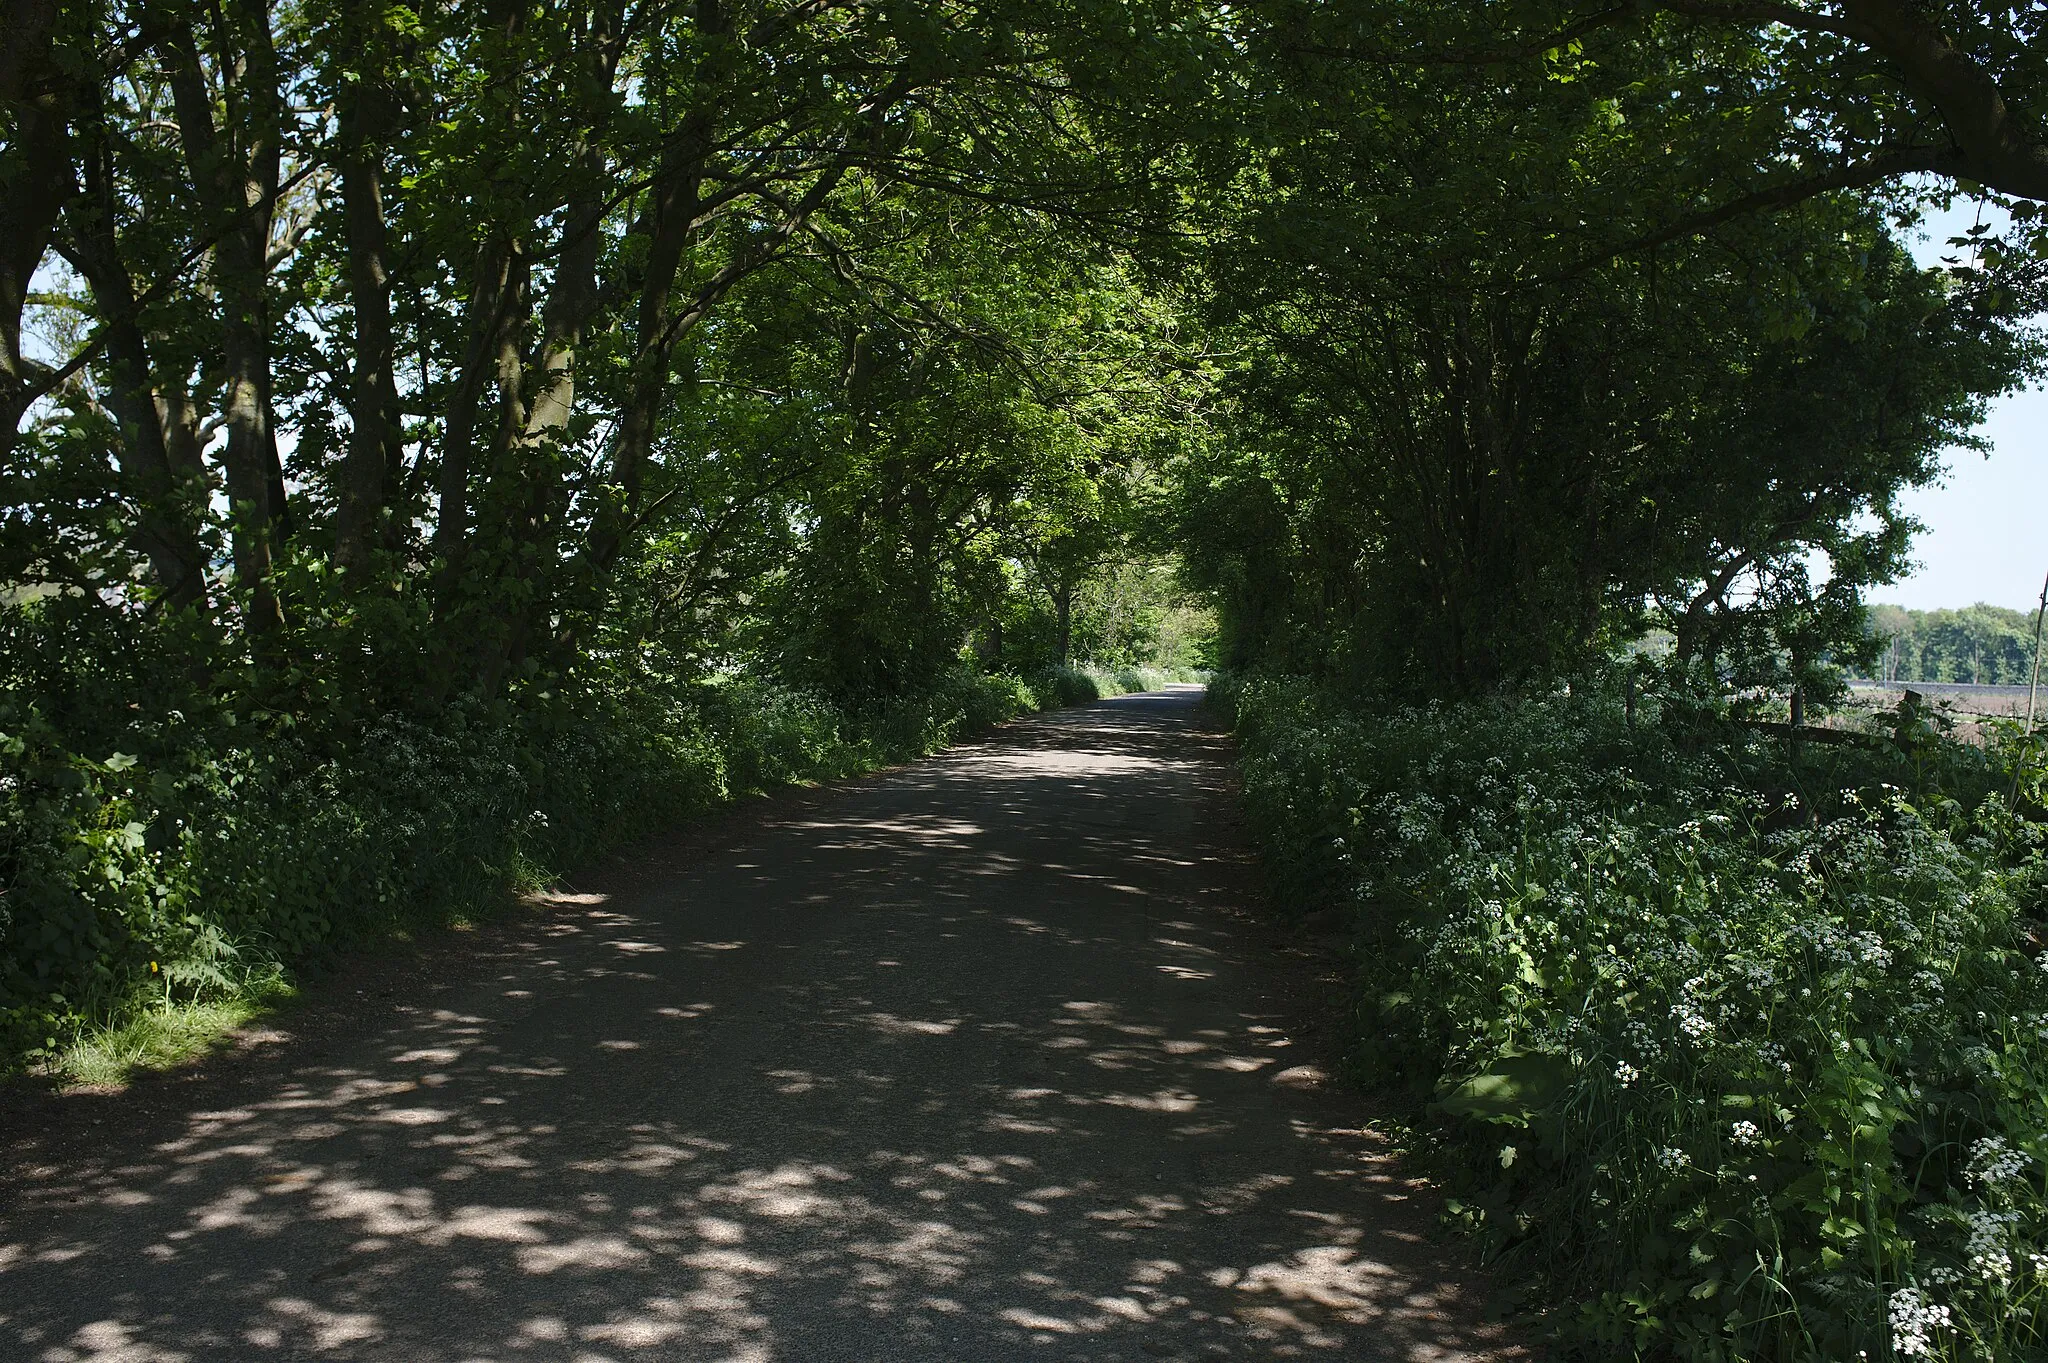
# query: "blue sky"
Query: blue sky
{"points": [[1984, 539]]}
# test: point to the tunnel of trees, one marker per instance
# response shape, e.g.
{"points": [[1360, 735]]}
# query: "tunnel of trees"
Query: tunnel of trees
{"points": [[368, 356], [444, 438]]}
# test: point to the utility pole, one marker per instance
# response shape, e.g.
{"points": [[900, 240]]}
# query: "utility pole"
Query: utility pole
{"points": [[2034, 684]]}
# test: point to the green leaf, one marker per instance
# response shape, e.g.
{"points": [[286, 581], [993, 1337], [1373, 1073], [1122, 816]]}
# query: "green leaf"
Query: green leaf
{"points": [[1512, 1089]]}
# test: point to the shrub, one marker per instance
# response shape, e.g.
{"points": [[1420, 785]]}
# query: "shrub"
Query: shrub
{"points": [[1054, 687], [215, 850], [1743, 1052], [1057, 686]]}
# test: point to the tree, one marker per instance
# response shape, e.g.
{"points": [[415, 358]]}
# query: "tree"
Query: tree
{"points": [[1483, 450]]}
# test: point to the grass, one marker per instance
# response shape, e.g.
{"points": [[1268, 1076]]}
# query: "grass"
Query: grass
{"points": [[163, 1037]]}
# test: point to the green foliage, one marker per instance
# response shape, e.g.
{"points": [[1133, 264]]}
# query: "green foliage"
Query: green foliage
{"points": [[1056, 685], [233, 848], [1124, 613], [1740, 1052], [621, 408], [1124, 681], [1510, 388]]}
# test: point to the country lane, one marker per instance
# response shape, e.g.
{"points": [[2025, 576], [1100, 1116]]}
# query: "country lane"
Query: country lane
{"points": [[985, 1058]]}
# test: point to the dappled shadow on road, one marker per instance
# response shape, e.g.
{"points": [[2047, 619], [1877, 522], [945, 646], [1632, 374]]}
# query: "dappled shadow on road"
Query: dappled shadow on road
{"points": [[963, 1062]]}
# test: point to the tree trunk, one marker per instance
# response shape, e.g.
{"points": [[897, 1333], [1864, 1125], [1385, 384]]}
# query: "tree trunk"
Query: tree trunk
{"points": [[235, 171], [374, 466], [1998, 147], [34, 92], [489, 302], [167, 490], [535, 456], [672, 217]]}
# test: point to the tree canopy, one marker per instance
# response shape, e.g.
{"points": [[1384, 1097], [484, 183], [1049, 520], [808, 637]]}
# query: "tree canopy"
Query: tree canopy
{"points": [[375, 354], [1980, 644], [446, 438]]}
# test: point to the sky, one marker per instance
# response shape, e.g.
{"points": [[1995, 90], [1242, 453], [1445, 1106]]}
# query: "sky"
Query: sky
{"points": [[1987, 522]]}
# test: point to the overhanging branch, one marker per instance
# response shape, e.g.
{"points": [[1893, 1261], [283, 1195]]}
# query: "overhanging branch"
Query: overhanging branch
{"points": [[1873, 170]]}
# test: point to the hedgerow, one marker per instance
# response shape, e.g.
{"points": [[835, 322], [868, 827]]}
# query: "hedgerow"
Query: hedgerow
{"points": [[1735, 1051], [1063, 684], [195, 857]]}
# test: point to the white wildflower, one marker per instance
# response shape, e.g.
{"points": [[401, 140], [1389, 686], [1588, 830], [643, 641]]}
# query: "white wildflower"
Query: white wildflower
{"points": [[1627, 1073], [1745, 1133], [1914, 1319], [1870, 948], [1987, 1251], [1671, 1157], [1993, 1160], [1692, 1022]]}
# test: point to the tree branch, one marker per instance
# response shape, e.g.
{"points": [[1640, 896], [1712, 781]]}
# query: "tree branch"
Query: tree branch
{"points": [[1856, 175], [1478, 56], [1996, 151], [1991, 146]]}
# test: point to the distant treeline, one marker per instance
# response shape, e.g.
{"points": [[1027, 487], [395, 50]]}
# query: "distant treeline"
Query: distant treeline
{"points": [[1988, 645]]}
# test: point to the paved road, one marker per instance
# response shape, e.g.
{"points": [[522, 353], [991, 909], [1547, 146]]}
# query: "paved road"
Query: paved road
{"points": [[976, 1060]]}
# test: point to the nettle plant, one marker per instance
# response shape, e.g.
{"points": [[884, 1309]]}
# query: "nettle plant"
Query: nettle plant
{"points": [[1746, 1070]]}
